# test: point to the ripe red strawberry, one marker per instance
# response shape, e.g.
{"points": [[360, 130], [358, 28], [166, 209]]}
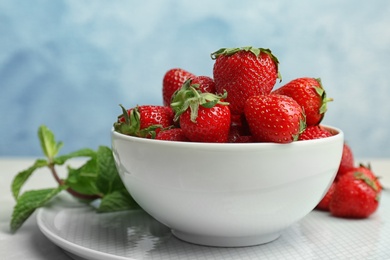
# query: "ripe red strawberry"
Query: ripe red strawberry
{"points": [[144, 121], [203, 116], [274, 118], [172, 134], [206, 84], [244, 72], [310, 94], [355, 195], [325, 201], [211, 125], [314, 132], [368, 172], [172, 81], [347, 162]]}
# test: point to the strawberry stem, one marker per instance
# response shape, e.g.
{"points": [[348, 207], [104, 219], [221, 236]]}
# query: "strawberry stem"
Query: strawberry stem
{"points": [[190, 97], [70, 190]]}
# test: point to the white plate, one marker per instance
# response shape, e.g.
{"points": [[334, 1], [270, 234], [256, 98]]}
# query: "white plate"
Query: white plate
{"points": [[84, 234]]}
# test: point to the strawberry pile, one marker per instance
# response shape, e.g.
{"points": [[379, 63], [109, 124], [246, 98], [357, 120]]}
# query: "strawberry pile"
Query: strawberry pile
{"points": [[239, 104], [355, 192]]}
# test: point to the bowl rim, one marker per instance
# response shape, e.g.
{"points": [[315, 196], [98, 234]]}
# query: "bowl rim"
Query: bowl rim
{"points": [[337, 133]]}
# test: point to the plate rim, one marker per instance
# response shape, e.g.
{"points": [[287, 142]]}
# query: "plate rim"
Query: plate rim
{"points": [[71, 247]]}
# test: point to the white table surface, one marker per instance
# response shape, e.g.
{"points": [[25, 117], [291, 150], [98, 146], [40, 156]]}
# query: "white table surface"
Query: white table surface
{"points": [[29, 243]]}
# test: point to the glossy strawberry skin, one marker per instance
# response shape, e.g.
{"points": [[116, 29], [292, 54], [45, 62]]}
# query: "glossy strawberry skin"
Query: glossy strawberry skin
{"points": [[172, 81], [212, 124], [325, 201], [206, 84], [173, 134], [309, 93], [353, 197], [274, 118], [242, 75], [314, 132], [347, 162], [155, 115]]}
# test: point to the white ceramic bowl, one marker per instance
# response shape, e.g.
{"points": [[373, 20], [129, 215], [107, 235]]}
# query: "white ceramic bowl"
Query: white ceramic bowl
{"points": [[227, 194]]}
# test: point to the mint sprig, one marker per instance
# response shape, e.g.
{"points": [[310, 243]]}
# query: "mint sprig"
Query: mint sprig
{"points": [[97, 178]]}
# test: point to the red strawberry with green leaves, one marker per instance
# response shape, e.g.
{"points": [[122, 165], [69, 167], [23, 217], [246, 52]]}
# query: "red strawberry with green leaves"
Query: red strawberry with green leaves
{"points": [[244, 72], [172, 81], [274, 118], [368, 172], [356, 195], [206, 84], [172, 134], [310, 94], [144, 121], [314, 132], [203, 117], [347, 162]]}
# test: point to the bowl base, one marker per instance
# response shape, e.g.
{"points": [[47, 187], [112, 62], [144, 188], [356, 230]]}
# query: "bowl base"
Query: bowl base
{"points": [[226, 241]]}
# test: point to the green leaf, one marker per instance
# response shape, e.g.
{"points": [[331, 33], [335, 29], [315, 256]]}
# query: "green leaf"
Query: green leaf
{"points": [[79, 153], [117, 201], [83, 179], [23, 176], [48, 143], [28, 202], [108, 178]]}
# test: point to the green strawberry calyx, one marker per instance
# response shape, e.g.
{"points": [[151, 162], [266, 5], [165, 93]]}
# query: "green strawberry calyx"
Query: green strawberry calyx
{"points": [[254, 50], [132, 124], [371, 183], [190, 97], [324, 99], [302, 127]]}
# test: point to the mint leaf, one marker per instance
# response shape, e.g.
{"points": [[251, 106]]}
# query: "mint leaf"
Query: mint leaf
{"points": [[116, 197], [83, 179], [48, 143], [28, 202], [23, 176], [96, 178], [108, 177], [60, 160], [117, 201]]}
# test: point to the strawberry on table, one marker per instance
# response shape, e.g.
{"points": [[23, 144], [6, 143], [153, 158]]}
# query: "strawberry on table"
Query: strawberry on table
{"points": [[356, 195], [368, 172], [172, 81], [347, 162], [274, 118], [244, 72], [144, 121], [325, 201], [204, 117], [310, 94]]}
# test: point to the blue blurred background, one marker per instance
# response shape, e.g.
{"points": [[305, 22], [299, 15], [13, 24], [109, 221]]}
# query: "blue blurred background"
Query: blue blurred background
{"points": [[68, 64]]}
